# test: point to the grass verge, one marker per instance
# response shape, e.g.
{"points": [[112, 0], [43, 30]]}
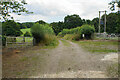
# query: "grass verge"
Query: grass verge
{"points": [[113, 70], [98, 46], [51, 45]]}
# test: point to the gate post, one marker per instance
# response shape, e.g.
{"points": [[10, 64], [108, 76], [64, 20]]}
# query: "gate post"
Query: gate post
{"points": [[34, 41]]}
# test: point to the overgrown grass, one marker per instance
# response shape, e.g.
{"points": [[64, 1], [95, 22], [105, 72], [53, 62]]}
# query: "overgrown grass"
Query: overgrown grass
{"points": [[113, 70], [72, 37], [49, 45], [65, 42], [76, 33], [107, 38], [99, 46]]}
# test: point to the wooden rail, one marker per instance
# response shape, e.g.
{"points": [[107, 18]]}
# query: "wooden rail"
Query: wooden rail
{"points": [[19, 41]]}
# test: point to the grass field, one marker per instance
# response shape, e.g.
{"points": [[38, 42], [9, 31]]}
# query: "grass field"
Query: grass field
{"points": [[99, 46], [25, 30], [27, 39]]}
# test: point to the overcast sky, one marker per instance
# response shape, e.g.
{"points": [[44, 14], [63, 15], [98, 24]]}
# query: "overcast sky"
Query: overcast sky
{"points": [[56, 10]]}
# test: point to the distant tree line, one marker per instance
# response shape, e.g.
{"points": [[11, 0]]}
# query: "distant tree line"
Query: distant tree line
{"points": [[12, 28], [73, 21]]}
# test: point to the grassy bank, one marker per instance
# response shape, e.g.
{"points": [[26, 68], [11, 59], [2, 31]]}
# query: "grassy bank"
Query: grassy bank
{"points": [[99, 46]]}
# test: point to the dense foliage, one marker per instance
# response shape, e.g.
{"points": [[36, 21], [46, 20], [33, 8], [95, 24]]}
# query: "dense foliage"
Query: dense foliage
{"points": [[57, 27], [11, 28], [41, 22], [88, 31], [112, 25], [70, 31], [72, 21], [12, 6], [76, 33], [27, 34], [26, 25], [41, 32], [112, 4]]}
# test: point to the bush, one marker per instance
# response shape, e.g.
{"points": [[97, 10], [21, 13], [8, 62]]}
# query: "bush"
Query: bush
{"points": [[76, 33], [27, 34], [42, 33], [3, 41], [75, 37], [70, 31], [88, 31]]}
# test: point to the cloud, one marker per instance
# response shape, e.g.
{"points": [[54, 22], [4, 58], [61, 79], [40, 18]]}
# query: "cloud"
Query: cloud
{"points": [[56, 10]]}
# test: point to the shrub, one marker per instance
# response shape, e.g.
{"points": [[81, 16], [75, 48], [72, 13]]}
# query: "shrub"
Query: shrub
{"points": [[76, 33], [42, 33], [27, 34], [3, 41], [88, 31], [72, 37], [69, 31]]}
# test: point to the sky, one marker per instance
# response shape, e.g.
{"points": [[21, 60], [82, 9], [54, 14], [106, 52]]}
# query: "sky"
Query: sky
{"points": [[56, 10]]}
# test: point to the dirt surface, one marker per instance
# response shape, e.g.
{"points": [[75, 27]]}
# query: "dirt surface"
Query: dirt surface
{"points": [[61, 62]]}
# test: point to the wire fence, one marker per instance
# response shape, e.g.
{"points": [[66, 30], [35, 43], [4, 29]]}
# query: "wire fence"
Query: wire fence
{"points": [[107, 36]]}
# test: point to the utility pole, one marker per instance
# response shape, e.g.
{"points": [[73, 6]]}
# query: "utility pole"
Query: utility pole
{"points": [[105, 23], [99, 23]]}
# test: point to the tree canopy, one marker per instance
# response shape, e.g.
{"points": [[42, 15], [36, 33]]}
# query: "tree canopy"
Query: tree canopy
{"points": [[11, 28], [112, 3], [72, 21], [12, 6]]}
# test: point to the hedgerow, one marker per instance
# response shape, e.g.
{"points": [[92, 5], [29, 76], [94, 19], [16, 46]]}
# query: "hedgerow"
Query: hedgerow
{"points": [[76, 33]]}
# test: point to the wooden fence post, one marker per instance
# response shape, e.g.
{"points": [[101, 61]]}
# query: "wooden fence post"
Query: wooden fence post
{"points": [[6, 42], [23, 39], [34, 41]]}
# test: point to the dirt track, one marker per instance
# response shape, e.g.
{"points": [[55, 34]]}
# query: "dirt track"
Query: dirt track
{"points": [[64, 61], [72, 62]]}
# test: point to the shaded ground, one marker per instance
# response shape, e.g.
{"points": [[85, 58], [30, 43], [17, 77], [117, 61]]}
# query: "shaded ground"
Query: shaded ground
{"points": [[64, 61]]}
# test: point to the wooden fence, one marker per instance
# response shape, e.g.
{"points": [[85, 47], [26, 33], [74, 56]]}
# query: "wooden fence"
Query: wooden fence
{"points": [[15, 42]]}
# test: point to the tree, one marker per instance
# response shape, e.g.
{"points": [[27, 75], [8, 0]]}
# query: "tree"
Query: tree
{"points": [[41, 22], [12, 6], [11, 28], [88, 31], [72, 21], [112, 3], [113, 23], [57, 27], [28, 24], [88, 22], [95, 22], [83, 21]]}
